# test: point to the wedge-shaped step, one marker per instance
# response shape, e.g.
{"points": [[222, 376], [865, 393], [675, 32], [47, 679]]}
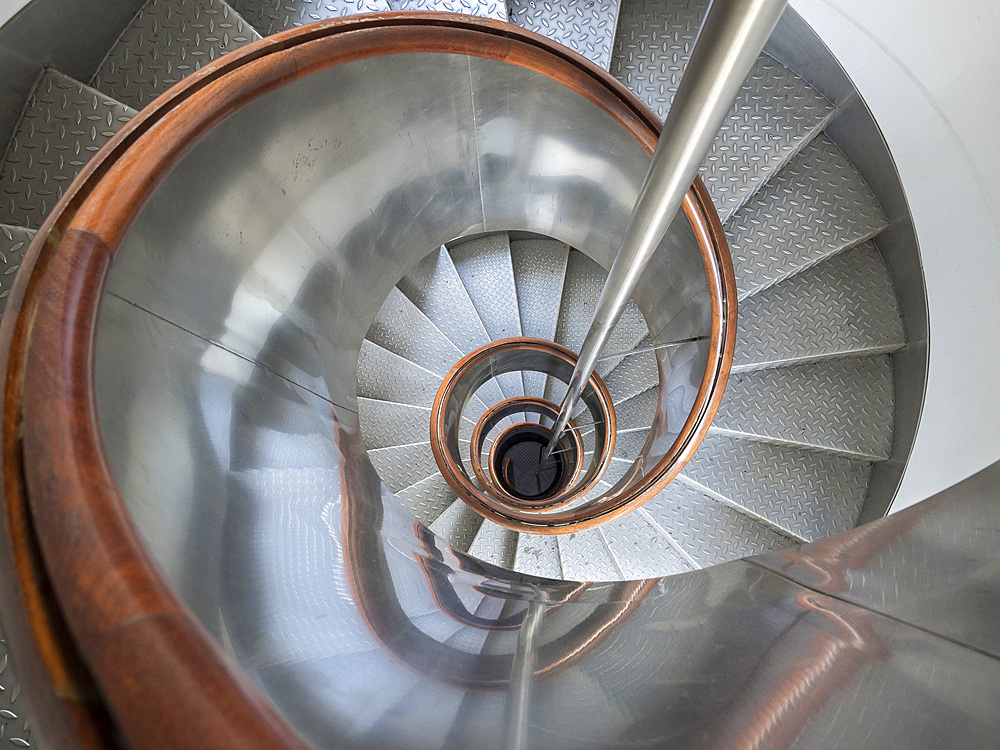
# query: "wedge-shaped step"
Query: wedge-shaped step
{"points": [[457, 525], [807, 493], [494, 544], [400, 327], [166, 41], [486, 270], [13, 243], [585, 557], [437, 291], [496, 9], [587, 28], [584, 281], [708, 531], [388, 423], [271, 17], [652, 46], [844, 305], [404, 465], [385, 376], [428, 498], [774, 115], [817, 205], [634, 373], [843, 406], [539, 271], [63, 125], [538, 555], [642, 550]]}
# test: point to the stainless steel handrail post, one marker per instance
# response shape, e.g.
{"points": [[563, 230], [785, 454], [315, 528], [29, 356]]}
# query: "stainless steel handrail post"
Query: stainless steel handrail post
{"points": [[730, 40]]}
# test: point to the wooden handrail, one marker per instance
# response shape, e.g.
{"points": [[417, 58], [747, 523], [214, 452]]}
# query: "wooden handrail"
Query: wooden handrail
{"points": [[66, 527]]}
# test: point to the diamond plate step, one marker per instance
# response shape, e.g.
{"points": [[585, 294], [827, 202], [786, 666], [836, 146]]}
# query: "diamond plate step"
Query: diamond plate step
{"points": [[539, 271], [642, 550], [64, 123], [652, 46], [437, 291], [166, 41], [428, 498], [817, 205], [844, 305], [457, 525], [15, 719], [586, 28], [385, 376], [14, 242], [843, 406], [270, 18], [634, 373], [708, 531], [401, 466], [585, 557], [489, 8], [494, 544], [487, 271], [386, 423], [538, 555], [807, 493], [581, 290]]}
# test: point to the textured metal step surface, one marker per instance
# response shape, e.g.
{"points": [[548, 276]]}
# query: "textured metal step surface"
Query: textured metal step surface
{"points": [[539, 272], [634, 373], [581, 290], [486, 270], [437, 291], [538, 555], [166, 41], [15, 718], [844, 305], [271, 17], [652, 46], [775, 114], [457, 525], [817, 205], [489, 8], [711, 532], [585, 27], [14, 241], [585, 557], [387, 423], [401, 466], [385, 376], [807, 493], [494, 544], [428, 498], [641, 550], [843, 406], [64, 123]]}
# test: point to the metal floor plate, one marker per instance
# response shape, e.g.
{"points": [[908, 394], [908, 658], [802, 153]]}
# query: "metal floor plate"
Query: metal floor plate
{"points": [[585, 557], [496, 9], [428, 498], [385, 376], [13, 243], [457, 525], [641, 550], [494, 544], [63, 125], [585, 27], [538, 555], [270, 18]]}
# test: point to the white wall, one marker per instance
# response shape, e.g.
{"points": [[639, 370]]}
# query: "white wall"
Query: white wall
{"points": [[8, 8]]}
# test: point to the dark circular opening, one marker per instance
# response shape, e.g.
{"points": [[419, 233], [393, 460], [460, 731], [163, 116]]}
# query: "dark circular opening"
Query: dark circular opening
{"points": [[521, 467]]}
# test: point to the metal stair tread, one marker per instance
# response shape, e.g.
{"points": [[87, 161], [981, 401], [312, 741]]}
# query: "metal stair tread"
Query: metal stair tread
{"points": [[64, 123], [14, 241], [496, 9], [586, 28], [817, 205], [485, 267], [428, 498], [585, 556], [494, 544], [401, 466], [843, 305], [165, 42], [457, 525], [807, 493], [641, 550], [385, 376], [538, 555], [842, 406], [270, 18]]}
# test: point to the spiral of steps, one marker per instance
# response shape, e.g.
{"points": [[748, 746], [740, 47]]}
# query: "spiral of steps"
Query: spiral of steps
{"points": [[809, 406]]}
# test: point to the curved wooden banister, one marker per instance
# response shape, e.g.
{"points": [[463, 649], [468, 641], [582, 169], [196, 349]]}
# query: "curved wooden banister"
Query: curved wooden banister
{"points": [[78, 567]]}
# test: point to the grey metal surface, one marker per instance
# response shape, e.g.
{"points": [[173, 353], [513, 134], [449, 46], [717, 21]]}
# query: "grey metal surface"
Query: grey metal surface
{"points": [[844, 305], [428, 498], [809, 494], [64, 123], [539, 271], [538, 556], [634, 373], [486, 270], [641, 550], [384, 376], [494, 544], [401, 466], [166, 41], [270, 18], [13, 242], [387, 423], [637, 412], [585, 557], [843, 406], [457, 525], [496, 9], [15, 719], [709, 531], [652, 46], [401, 328], [793, 222], [585, 27]]}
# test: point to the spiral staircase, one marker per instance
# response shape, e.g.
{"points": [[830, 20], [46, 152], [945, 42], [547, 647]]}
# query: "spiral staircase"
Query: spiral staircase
{"points": [[807, 416]]}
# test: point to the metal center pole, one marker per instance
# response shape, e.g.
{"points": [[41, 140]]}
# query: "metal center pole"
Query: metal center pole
{"points": [[730, 40]]}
